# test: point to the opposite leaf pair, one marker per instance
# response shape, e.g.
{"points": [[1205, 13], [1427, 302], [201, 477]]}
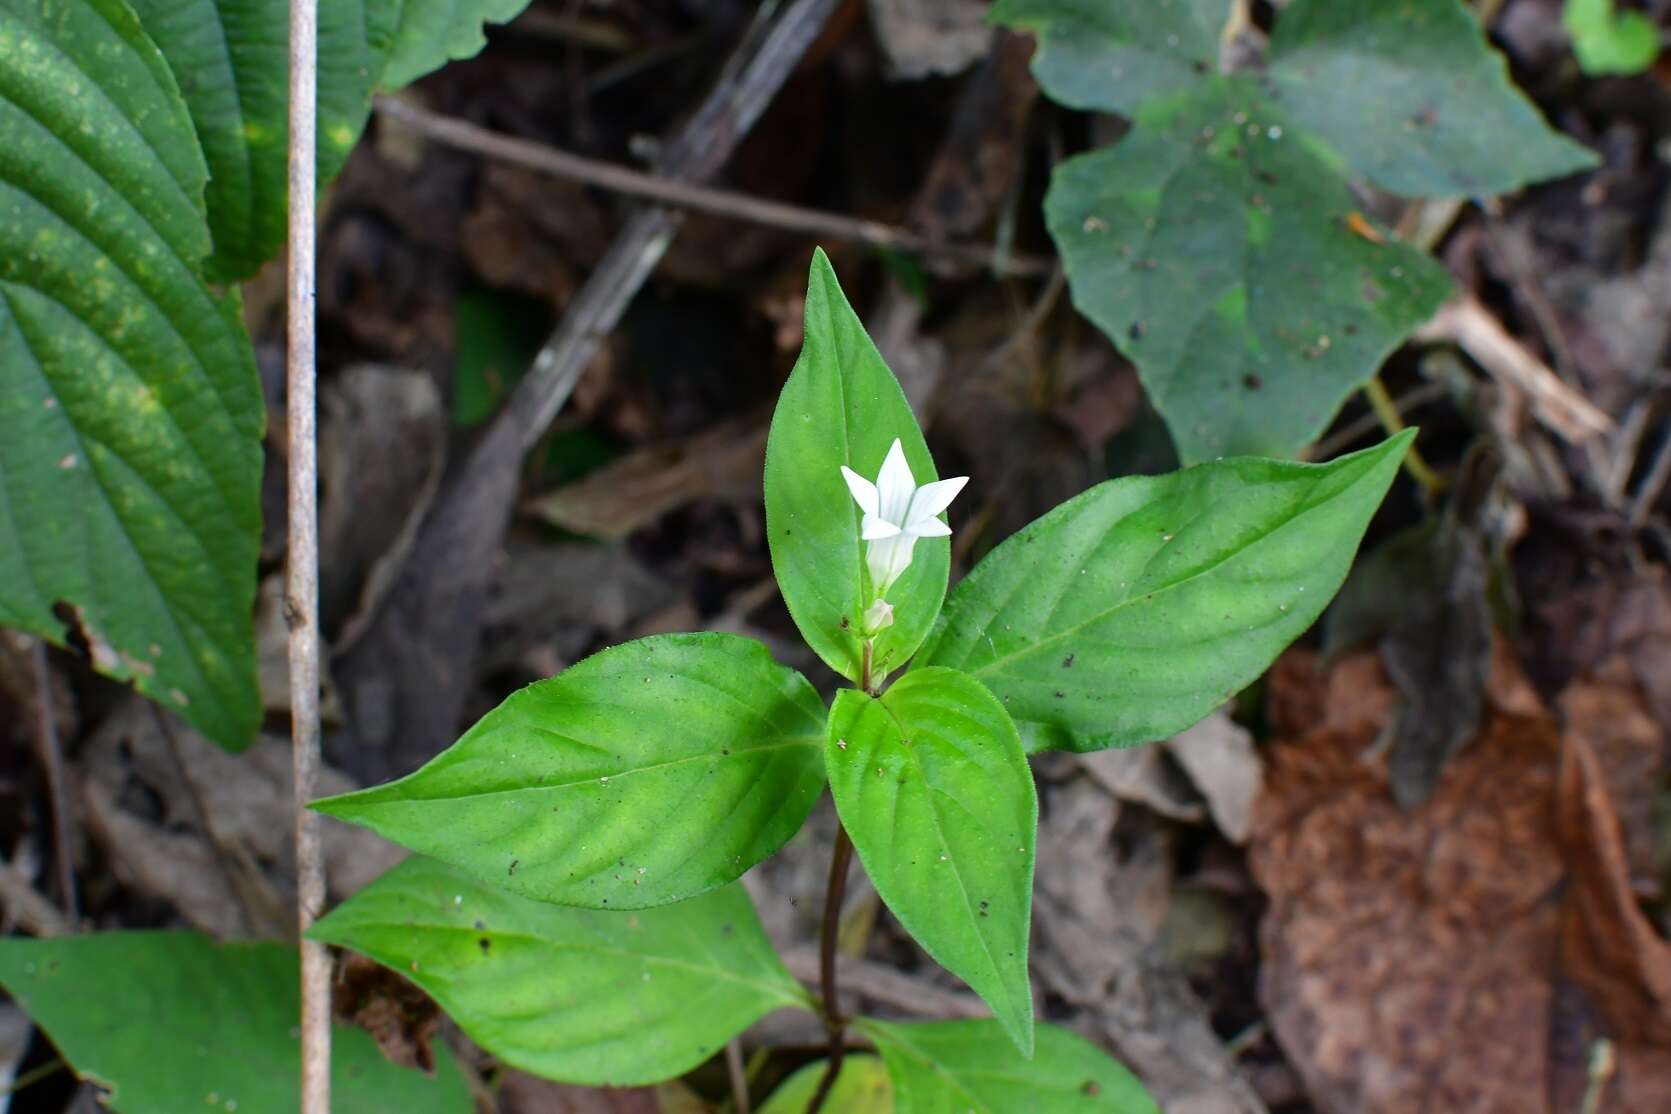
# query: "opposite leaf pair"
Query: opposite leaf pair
{"points": [[655, 773]]}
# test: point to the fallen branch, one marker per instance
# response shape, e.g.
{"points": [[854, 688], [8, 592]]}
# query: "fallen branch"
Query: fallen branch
{"points": [[1471, 327], [538, 157]]}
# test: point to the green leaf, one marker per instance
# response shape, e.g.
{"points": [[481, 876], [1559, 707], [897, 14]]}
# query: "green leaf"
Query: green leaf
{"points": [[842, 406], [966, 1067], [1134, 609], [230, 57], [1413, 98], [196, 1025], [571, 994], [130, 412], [648, 773], [1220, 253], [1111, 57], [863, 1087], [932, 785], [424, 35], [231, 60], [1608, 41]]}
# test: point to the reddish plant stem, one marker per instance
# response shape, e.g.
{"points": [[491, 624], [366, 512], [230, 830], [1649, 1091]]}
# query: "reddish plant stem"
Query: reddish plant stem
{"points": [[834, 1022]]}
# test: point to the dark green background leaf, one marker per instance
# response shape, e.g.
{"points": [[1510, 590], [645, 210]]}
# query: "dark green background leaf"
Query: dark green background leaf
{"points": [[173, 1022], [130, 413], [650, 772], [230, 57], [424, 35], [1111, 56], [571, 994], [840, 406], [932, 785], [1213, 246], [1131, 611], [967, 1067], [1413, 98]]}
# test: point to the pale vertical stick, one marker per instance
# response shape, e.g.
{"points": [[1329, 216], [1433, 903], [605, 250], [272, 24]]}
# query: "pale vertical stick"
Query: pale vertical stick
{"points": [[302, 564]]}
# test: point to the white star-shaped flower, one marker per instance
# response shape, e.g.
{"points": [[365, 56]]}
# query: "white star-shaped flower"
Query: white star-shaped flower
{"points": [[896, 513]]}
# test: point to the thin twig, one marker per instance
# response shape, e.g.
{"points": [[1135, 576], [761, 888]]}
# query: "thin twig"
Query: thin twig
{"points": [[538, 157], [27, 907], [1386, 412], [302, 560], [1364, 424], [51, 753], [834, 1022], [1648, 492], [33, 1076], [739, 1077], [1469, 325]]}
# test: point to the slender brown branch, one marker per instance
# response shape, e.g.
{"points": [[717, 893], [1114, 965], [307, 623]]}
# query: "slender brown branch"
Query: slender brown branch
{"points": [[834, 1022], [688, 195], [51, 754], [739, 1077], [302, 554]]}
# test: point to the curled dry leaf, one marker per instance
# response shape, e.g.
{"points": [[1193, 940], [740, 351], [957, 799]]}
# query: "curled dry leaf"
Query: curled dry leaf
{"points": [[1468, 954]]}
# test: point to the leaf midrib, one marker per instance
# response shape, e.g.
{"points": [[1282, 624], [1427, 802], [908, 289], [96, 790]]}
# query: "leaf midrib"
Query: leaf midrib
{"points": [[1147, 595]]}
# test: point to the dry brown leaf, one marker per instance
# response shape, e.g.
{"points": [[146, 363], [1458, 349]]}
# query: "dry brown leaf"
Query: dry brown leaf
{"points": [[401, 1018], [720, 463], [1466, 955]]}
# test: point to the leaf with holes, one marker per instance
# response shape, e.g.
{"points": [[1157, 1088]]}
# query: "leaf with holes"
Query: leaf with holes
{"points": [[1131, 611], [931, 783], [1229, 262], [1413, 98], [130, 412], [966, 1067], [202, 1026], [571, 994], [1111, 57], [843, 407], [648, 773]]}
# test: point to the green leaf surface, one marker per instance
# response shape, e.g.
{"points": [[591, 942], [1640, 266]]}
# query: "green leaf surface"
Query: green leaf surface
{"points": [[1112, 56], [1609, 41], [168, 1022], [1414, 99], [1221, 254], [424, 35], [932, 785], [231, 60], [842, 406], [230, 57], [967, 1067], [1132, 610], [648, 773], [130, 412], [571, 994], [863, 1087]]}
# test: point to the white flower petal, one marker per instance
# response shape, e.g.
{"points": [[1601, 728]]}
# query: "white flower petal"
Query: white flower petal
{"points": [[887, 558], [872, 528], [931, 499], [930, 528], [864, 492], [895, 485]]}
